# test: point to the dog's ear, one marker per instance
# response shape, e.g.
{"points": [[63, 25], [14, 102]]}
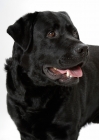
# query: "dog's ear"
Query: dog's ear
{"points": [[21, 31]]}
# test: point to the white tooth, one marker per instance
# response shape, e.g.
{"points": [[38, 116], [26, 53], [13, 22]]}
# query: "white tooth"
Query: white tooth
{"points": [[55, 69], [68, 75]]}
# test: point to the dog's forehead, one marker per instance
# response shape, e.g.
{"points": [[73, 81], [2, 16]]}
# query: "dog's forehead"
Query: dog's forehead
{"points": [[50, 18]]}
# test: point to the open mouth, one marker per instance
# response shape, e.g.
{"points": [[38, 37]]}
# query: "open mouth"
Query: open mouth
{"points": [[63, 75]]}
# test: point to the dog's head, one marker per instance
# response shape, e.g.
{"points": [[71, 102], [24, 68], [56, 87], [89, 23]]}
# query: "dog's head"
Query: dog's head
{"points": [[51, 50]]}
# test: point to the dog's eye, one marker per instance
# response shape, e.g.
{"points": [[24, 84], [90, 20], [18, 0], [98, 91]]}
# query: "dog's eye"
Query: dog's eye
{"points": [[51, 34]]}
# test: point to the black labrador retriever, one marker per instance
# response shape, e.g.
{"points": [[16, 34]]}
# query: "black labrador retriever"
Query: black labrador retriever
{"points": [[52, 78]]}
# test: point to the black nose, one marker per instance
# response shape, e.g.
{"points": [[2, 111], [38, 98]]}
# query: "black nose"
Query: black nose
{"points": [[81, 50]]}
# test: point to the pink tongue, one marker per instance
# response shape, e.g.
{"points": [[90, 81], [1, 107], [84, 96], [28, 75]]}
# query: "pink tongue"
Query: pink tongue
{"points": [[76, 72]]}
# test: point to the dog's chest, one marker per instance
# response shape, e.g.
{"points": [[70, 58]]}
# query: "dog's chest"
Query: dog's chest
{"points": [[49, 108]]}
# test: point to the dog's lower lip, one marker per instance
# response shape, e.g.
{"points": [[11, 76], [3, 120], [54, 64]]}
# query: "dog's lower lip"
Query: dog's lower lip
{"points": [[65, 80]]}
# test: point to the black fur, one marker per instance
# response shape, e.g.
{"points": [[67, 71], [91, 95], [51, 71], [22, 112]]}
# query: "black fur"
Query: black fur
{"points": [[41, 107]]}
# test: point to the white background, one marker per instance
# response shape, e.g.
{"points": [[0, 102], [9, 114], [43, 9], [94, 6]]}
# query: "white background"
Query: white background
{"points": [[85, 16]]}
